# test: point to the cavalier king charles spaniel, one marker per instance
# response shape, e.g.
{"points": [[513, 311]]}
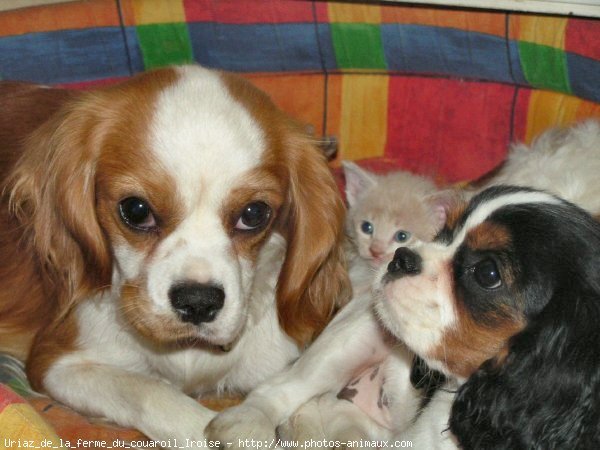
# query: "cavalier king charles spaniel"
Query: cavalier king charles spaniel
{"points": [[173, 234], [505, 303]]}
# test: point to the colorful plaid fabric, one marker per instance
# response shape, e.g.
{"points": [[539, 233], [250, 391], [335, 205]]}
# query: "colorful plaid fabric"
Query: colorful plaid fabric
{"points": [[28, 417], [433, 90], [20, 425]]}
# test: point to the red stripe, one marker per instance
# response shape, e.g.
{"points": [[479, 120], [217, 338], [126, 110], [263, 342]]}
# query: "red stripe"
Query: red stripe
{"points": [[247, 12], [92, 83], [8, 397], [448, 129], [583, 37]]}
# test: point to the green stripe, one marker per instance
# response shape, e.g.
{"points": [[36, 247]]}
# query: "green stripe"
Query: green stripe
{"points": [[544, 67], [358, 46], [164, 44]]}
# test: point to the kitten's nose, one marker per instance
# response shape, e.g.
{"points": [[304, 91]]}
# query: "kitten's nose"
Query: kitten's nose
{"points": [[375, 253], [196, 303], [405, 262]]}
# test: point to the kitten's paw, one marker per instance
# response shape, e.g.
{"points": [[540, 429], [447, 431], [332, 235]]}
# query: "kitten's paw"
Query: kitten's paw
{"points": [[236, 427]]}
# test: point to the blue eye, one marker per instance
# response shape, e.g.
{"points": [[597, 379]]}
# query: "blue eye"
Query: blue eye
{"points": [[402, 236], [366, 227]]}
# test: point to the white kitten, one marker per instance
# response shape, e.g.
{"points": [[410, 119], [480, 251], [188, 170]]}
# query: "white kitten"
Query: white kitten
{"points": [[390, 211]]}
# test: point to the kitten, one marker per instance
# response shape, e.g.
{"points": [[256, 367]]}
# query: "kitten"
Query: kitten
{"points": [[390, 211]]}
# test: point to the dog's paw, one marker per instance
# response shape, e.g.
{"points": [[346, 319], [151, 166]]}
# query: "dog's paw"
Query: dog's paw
{"points": [[332, 422], [304, 425], [236, 427]]}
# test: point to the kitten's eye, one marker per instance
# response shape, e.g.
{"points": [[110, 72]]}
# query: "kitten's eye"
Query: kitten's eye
{"points": [[254, 216], [137, 214], [487, 275], [367, 227], [402, 236]]}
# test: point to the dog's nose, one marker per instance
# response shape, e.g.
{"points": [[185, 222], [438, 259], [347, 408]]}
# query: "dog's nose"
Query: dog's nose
{"points": [[405, 262], [195, 302]]}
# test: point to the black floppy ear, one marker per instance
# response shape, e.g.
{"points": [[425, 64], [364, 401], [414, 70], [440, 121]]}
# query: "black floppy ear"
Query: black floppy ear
{"points": [[546, 392]]}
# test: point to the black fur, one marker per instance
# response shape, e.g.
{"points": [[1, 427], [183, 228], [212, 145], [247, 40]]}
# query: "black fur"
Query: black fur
{"points": [[425, 379], [546, 393]]}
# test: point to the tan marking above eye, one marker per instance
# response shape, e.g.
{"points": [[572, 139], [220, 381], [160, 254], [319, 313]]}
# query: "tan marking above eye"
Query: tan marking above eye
{"points": [[488, 236]]}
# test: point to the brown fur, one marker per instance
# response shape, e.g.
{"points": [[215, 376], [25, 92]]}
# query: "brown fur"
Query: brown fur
{"points": [[488, 236], [465, 347], [50, 193], [454, 213], [314, 280], [24, 108]]}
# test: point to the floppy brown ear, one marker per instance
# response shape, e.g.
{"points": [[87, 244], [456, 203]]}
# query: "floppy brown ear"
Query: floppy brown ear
{"points": [[313, 280], [53, 197]]}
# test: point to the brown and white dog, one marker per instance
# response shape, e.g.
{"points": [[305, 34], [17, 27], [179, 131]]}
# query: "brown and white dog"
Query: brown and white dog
{"points": [[172, 234]]}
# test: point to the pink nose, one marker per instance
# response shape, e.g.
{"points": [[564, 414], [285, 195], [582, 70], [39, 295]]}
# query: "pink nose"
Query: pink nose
{"points": [[375, 253]]}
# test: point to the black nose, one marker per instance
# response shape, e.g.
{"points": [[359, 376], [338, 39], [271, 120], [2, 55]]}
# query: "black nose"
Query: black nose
{"points": [[195, 302], [405, 262]]}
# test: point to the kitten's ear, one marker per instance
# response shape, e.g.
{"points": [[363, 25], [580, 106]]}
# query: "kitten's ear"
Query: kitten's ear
{"points": [[357, 181], [441, 203]]}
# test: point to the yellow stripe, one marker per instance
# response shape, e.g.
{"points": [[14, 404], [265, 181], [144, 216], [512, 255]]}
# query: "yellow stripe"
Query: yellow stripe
{"points": [[363, 127], [548, 109], [543, 30], [158, 11], [20, 423], [354, 13]]}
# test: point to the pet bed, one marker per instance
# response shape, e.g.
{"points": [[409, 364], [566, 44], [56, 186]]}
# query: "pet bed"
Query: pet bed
{"points": [[438, 91]]}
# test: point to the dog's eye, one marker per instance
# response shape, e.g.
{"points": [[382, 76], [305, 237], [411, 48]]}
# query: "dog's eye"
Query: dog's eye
{"points": [[402, 236], [487, 275], [367, 227], [137, 214], [254, 216]]}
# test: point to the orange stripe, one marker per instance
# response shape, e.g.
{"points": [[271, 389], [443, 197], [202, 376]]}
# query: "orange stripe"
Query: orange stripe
{"points": [[587, 110], [301, 96], [334, 109], [77, 15]]}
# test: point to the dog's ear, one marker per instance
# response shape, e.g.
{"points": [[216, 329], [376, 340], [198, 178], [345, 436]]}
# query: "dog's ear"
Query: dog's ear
{"points": [[545, 391], [52, 195], [313, 280]]}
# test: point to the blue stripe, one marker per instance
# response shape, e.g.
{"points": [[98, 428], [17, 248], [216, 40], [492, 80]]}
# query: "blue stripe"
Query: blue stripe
{"points": [[445, 51], [64, 56], [257, 47], [584, 76], [515, 61], [134, 49]]}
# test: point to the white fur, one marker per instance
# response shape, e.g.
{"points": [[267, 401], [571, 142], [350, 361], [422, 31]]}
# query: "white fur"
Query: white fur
{"points": [[486, 209], [206, 146], [565, 162], [206, 162], [352, 340], [416, 308]]}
